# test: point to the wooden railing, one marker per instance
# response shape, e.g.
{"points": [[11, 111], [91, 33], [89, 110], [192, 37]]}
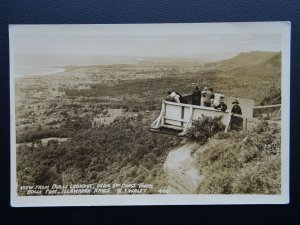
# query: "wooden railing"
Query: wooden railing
{"points": [[267, 106], [179, 116], [269, 110]]}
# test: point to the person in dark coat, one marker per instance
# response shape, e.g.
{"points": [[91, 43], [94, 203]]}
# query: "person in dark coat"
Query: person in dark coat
{"points": [[236, 122], [196, 96], [181, 98]]}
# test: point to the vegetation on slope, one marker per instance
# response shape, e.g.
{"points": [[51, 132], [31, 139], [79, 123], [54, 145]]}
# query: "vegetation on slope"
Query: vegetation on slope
{"points": [[123, 152], [204, 128], [253, 80], [244, 163]]}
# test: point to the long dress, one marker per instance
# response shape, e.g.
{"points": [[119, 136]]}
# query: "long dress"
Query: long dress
{"points": [[236, 122]]}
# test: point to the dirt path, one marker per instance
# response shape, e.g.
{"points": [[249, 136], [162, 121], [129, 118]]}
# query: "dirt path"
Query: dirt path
{"points": [[183, 176], [181, 168]]}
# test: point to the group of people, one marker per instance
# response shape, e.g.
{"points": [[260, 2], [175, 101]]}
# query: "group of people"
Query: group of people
{"points": [[208, 98]]}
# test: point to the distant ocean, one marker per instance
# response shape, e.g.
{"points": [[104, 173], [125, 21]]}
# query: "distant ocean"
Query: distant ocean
{"points": [[36, 71]]}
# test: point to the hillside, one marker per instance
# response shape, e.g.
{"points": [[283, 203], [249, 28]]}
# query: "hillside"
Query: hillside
{"points": [[246, 59], [255, 75], [227, 163], [124, 151], [244, 163]]}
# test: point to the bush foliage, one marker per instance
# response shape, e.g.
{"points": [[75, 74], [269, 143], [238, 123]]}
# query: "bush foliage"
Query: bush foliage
{"points": [[204, 128], [244, 163]]}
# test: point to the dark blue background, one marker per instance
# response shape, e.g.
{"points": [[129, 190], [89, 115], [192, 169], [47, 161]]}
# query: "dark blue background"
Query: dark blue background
{"points": [[163, 11]]}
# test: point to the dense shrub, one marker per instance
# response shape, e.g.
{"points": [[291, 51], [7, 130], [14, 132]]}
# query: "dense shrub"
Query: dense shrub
{"points": [[243, 167], [265, 137], [204, 128], [259, 177]]}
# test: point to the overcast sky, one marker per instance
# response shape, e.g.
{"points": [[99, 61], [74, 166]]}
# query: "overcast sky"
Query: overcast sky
{"points": [[155, 40]]}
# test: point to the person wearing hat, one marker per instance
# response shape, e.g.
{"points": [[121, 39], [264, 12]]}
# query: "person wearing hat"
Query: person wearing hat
{"points": [[196, 96], [221, 106], [236, 108], [236, 122]]}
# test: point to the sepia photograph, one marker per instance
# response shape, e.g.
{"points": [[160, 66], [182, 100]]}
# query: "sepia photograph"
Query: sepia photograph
{"points": [[150, 114]]}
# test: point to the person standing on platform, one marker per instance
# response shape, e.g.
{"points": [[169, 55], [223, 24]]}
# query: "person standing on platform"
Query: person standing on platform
{"points": [[217, 98], [203, 96], [196, 96], [181, 98], [209, 95], [236, 122]]}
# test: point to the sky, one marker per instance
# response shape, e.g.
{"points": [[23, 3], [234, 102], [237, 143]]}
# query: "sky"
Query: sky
{"points": [[139, 41]]}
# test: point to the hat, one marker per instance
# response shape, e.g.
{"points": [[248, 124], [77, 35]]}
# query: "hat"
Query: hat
{"points": [[235, 101]]}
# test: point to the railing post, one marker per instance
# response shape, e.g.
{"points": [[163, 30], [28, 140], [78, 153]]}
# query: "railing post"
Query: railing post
{"points": [[188, 122], [163, 113], [182, 114], [228, 124], [160, 119]]}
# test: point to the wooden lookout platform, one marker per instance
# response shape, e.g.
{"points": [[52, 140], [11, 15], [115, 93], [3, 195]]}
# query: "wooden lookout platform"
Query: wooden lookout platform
{"points": [[179, 116]]}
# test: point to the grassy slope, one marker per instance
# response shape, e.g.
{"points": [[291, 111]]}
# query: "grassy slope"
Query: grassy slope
{"points": [[255, 79], [244, 163]]}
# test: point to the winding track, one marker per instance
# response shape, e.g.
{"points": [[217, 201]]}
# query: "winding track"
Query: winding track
{"points": [[181, 168], [183, 176]]}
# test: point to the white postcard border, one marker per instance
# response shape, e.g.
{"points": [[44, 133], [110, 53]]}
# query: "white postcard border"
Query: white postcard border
{"points": [[282, 28]]}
